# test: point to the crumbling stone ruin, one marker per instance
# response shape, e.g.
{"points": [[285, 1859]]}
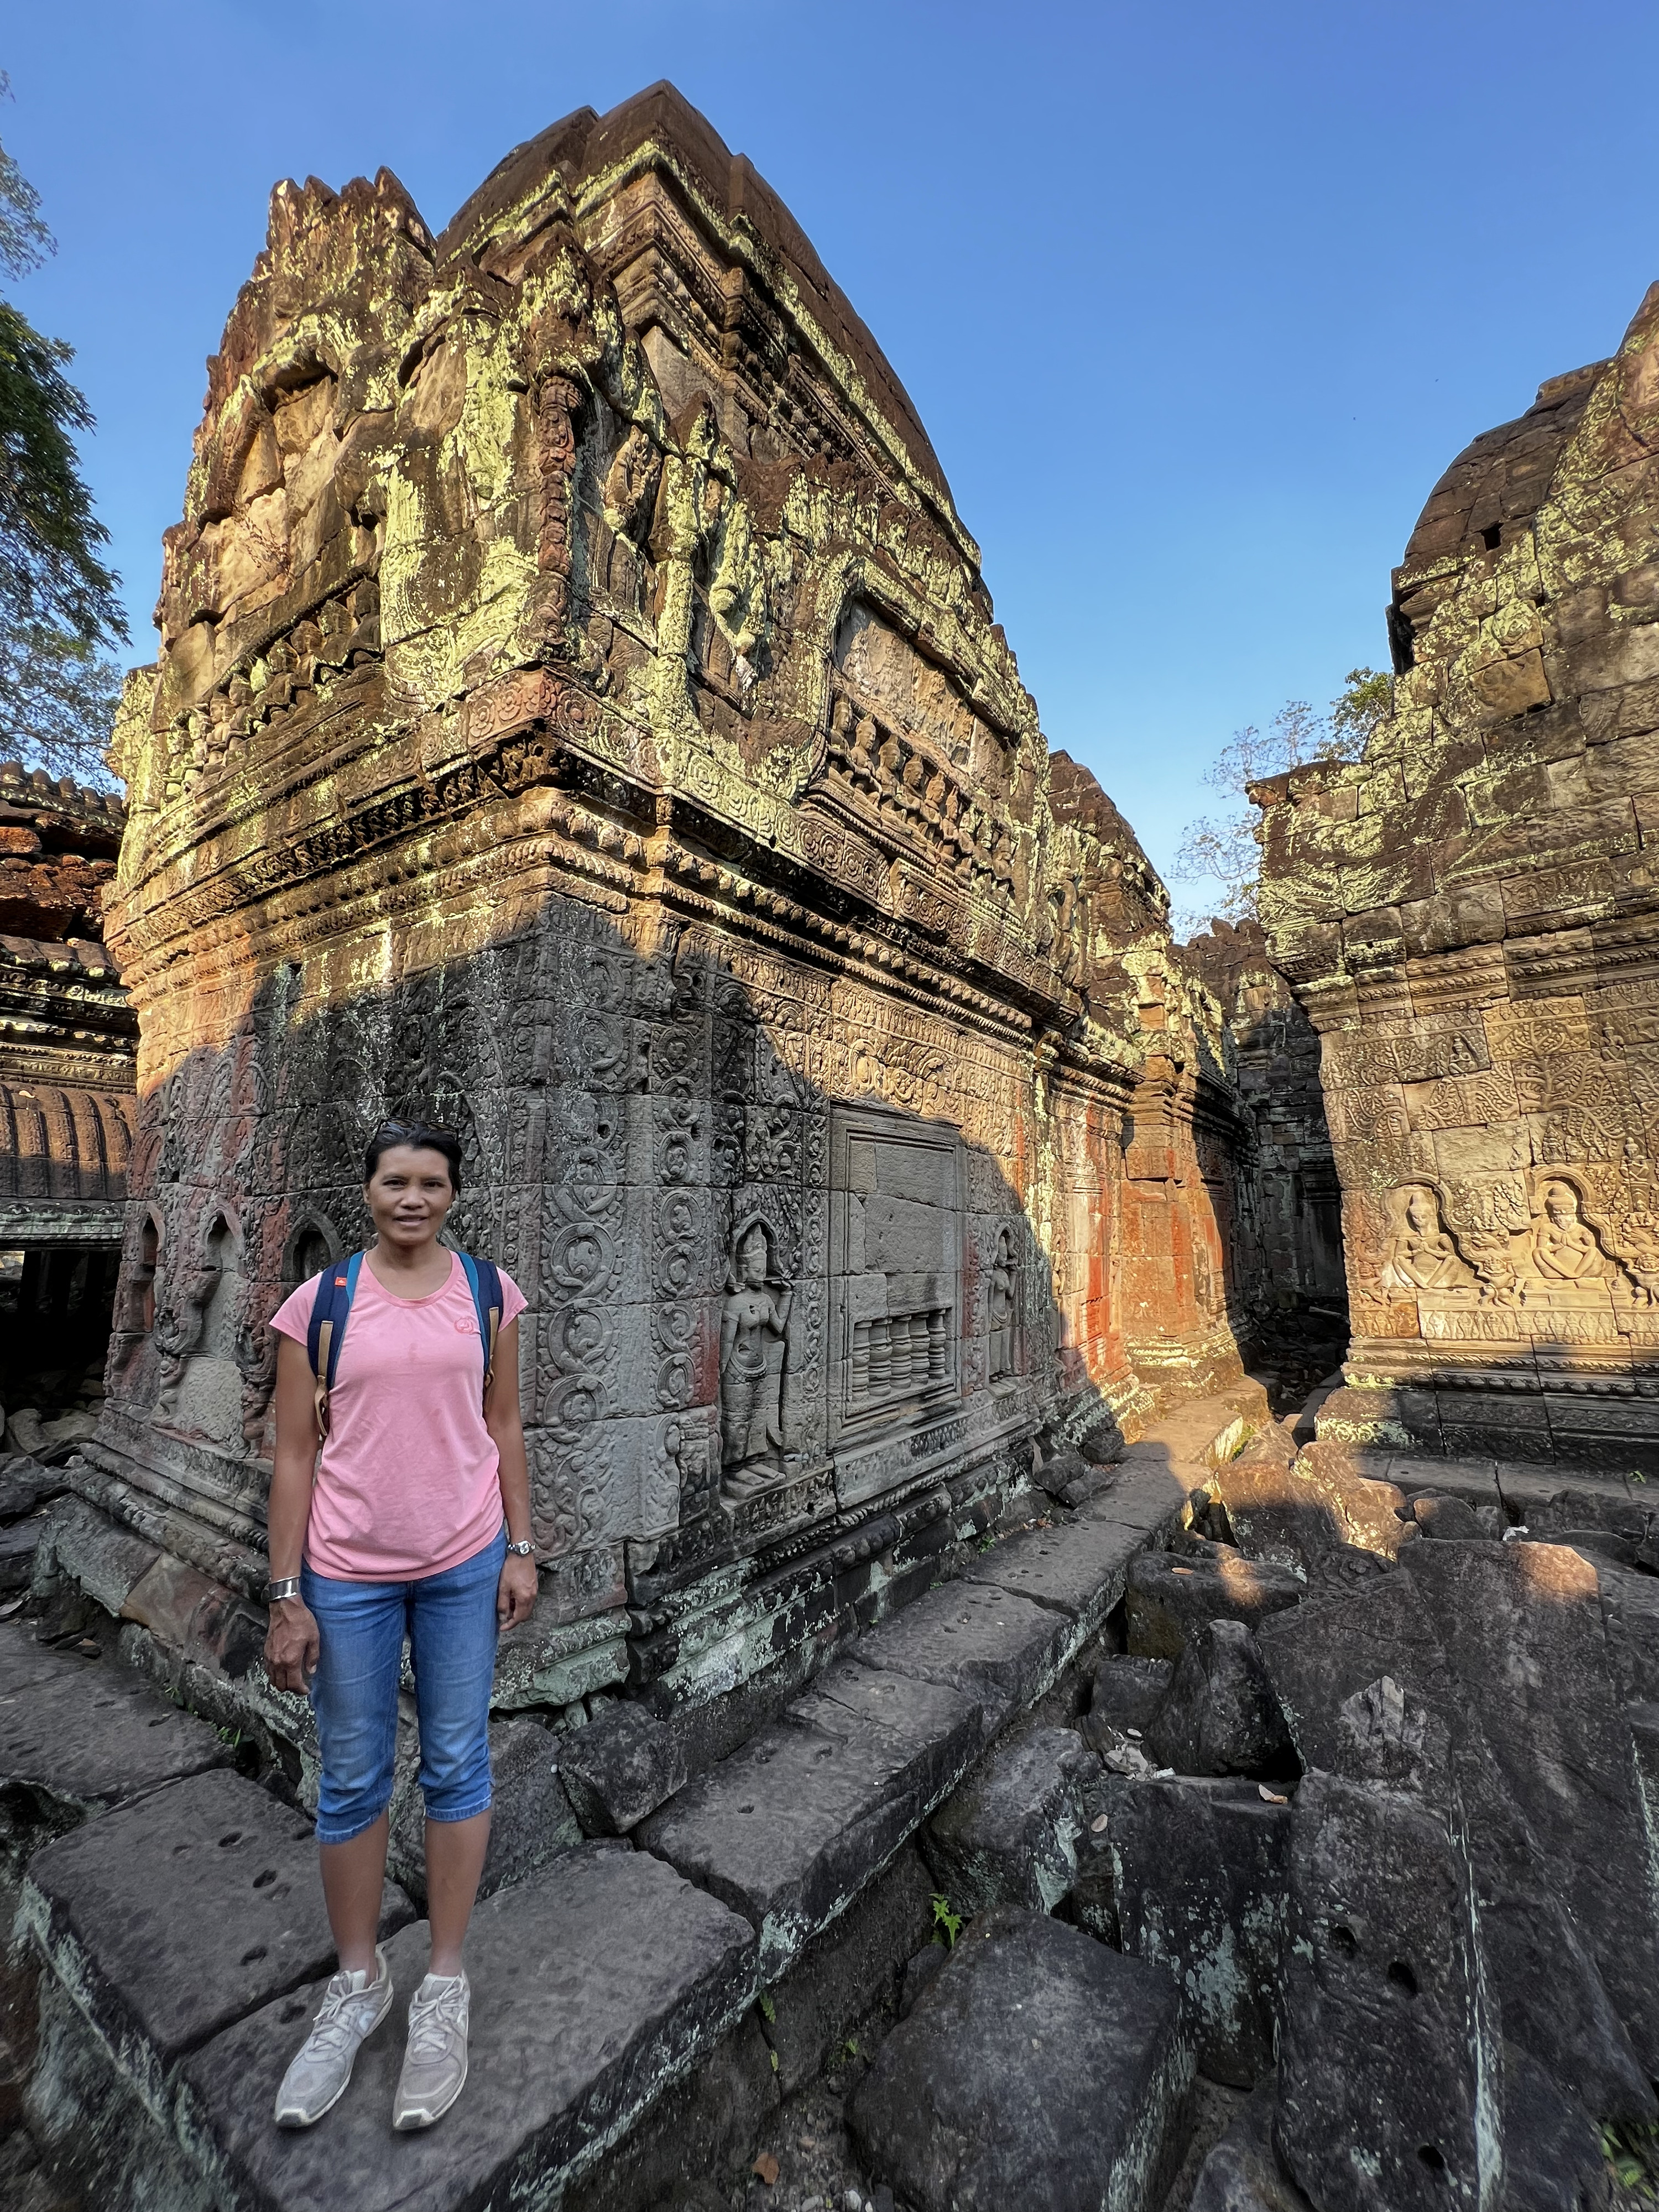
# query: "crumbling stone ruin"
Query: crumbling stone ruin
{"points": [[67, 1056], [974, 1748], [580, 714], [1467, 916]]}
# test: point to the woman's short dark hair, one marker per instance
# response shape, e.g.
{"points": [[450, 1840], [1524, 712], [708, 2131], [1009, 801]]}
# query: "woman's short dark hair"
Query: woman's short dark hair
{"points": [[425, 1136]]}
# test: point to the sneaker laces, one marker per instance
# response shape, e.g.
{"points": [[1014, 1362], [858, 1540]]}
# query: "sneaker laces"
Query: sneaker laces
{"points": [[334, 2027], [433, 2020]]}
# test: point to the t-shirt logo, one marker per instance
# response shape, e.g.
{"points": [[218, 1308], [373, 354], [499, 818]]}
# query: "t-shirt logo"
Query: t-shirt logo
{"points": [[466, 1328]]}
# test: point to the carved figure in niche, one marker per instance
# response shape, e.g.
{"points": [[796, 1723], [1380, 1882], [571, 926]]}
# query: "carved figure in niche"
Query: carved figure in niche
{"points": [[1420, 1255], [1640, 1256], [1564, 1249], [1494, 1267], [1003, 1301], [754, 1320]]}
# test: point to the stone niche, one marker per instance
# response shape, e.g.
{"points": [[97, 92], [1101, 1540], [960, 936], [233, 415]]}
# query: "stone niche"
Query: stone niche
{"points": [[579, 716], [1470, 917]]}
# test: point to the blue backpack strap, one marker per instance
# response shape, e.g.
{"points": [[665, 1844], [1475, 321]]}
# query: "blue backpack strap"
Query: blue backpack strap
{"points": [[483, 1279], [330, 1309]]}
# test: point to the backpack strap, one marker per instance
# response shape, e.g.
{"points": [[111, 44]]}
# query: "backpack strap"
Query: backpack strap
{"points": [[483, 1279], [330, 1309]]}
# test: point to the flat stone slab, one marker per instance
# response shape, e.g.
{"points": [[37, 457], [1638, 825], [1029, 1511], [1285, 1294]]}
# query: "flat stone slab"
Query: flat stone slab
{"points": [[1038, 2068], [85, 1735], [594, 1983], [790, 1827], [169, 1918], [1079, 1569], [999, 1651]]}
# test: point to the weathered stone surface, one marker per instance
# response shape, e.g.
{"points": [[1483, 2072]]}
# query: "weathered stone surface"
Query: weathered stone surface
{"points": [[999, 1650], [789, 1829], [1294, 1514], [1450, 1519], [1079, 1569], [596, 1981], [1552, 2155], [1242, 2172], [531, 1823], [1127, 1693], [1200, 1880], [620, 1768], [1038, 2068], [25, 1484], [1389, 2064], [1009, 1834], [1220, 1715], [1171, 1594], [846, 1971], [79, 1736], [1523, 1621], [172, 1916], [1361, 1682]]}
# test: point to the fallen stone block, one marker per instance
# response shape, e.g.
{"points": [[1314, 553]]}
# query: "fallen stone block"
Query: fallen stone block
{"points": [[1521, 1623], [1009, 1834], [1127, 1693], [80, 1736], [845, 1972], [789, 1829], [620, 1768], [1553, 2155], [1450, 1519], [1358, 1682], [25, 1484], [596, 1981], [102, 1559], [19, 1542], [999, 1651], [1200, 1880], [1630, 1617], [1242, 2172], [169, 1918], [1220, 1715], [1390, 2065], [1037, 2068], [1289, 1516], [1169, 1595]]}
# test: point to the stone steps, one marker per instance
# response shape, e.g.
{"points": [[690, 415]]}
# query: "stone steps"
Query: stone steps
{"points": [[187, 1928]]}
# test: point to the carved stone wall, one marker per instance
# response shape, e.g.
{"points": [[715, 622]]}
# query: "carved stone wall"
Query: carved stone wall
{"points": [[1469, 916], [67, 1048], [579, 715]]}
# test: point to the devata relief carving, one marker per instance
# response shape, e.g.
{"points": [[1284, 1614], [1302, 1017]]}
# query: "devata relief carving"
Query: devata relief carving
{"points": [[580, 715], [754, 1328], [1470, 916]]}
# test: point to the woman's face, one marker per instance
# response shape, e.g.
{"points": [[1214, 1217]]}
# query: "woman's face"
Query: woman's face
{"points": [[409, 1195]]}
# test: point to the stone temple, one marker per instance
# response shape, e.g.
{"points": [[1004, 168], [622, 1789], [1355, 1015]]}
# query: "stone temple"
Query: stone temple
{"points": [[1012, 1716], [579, 715]]}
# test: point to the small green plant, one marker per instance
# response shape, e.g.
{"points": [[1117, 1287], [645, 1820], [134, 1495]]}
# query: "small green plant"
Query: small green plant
{"points": [[769, 2010], [232, 1736], [1632, 2153], [774, 2061], [1636, 1475], [947, 1925], [850, 2048], [987, 1543]]}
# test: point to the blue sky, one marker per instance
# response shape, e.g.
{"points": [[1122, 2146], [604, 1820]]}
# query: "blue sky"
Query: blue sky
{"points": [[1196, 300]]}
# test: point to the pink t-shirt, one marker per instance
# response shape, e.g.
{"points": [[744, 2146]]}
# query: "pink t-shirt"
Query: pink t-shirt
{"points": [[407, 1484]]}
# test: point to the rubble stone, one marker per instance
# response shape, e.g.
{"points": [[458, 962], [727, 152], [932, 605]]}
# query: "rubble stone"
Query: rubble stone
{"points": [[620, 1768], [1170, 1595], [1037, 2068], [1009, 1834], [1220, 1715]]}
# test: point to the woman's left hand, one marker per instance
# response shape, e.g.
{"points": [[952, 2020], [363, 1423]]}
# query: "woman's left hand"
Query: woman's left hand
{"points": [[515, 1592]]}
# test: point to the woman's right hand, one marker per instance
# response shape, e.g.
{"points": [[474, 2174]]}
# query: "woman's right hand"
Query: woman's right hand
{"points": [[292, 1644]]}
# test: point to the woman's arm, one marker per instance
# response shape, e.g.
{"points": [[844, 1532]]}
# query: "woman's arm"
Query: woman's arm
{"points": [[291, 1642], [516, 1599]]}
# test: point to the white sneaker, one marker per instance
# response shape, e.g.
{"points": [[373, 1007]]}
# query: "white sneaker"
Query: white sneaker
{"points": [[353, 2007], [435, 2064]]}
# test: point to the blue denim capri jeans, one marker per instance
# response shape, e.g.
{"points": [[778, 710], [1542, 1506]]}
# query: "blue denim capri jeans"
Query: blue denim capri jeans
{"points": [[450, 1621]]}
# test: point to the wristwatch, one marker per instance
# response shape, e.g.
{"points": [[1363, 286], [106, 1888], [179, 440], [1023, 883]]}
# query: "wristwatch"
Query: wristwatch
{"points": [[523, 1549], [276, 1592]]}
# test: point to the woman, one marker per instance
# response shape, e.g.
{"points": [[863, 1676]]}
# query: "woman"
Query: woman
{"points": [[398, 1530]]}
